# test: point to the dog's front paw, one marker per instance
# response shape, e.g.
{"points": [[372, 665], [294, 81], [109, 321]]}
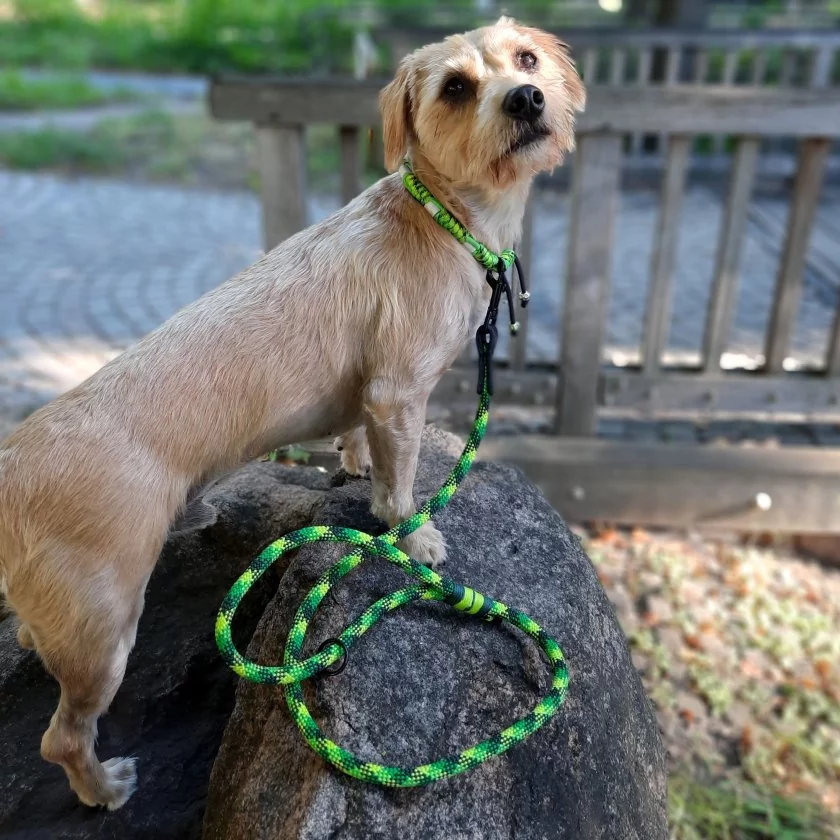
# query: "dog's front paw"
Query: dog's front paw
{"points": [[426, 545], [355, 453]]}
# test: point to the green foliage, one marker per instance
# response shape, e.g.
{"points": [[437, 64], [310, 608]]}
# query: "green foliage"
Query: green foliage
{"points": [[200, 36], [290, 454]]}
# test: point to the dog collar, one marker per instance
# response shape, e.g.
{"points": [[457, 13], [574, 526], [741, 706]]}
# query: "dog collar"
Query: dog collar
{"points": [[487, 258], [497, 266]]}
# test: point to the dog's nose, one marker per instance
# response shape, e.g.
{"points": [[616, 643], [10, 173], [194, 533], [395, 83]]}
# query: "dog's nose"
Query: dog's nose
{"points": [[525, 102]]}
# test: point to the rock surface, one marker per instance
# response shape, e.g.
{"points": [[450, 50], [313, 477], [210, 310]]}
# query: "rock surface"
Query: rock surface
{"points": [[173, 706], [429, 682]]}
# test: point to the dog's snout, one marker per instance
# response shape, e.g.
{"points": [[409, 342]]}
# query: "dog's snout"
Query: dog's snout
{"points": [[525, 102]]}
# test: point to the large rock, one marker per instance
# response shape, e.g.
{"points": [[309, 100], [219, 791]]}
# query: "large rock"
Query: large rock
{"points": [[173, 706], [428, 682]]}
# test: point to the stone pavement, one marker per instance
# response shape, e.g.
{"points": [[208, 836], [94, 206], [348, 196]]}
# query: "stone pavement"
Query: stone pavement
{"points": [[87, 266]]}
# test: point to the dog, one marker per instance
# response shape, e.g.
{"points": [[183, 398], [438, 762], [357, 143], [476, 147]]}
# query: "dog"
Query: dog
{"points": [[344, 329]]}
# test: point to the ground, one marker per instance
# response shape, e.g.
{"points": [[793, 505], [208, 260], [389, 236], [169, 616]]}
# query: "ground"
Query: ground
{"points": [[739, 649]]}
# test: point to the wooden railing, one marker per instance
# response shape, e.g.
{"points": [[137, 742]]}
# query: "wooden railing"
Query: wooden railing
{"points": [[585, 477]]}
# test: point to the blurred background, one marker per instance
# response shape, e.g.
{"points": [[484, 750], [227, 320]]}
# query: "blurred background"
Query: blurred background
{"points": [[124, 196]]}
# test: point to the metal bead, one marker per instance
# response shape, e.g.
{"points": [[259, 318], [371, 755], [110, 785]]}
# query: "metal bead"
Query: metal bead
{"points": [[514, 328], [524, 297]]}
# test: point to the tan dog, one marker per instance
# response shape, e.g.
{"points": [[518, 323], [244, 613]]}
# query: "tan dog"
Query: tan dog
{"points": [[343, 329]]}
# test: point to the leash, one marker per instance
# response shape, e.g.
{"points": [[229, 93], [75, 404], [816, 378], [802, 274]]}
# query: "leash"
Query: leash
{"points": [[331, 656]]}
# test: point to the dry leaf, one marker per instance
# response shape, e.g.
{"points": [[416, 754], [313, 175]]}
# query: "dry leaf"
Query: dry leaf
{"points": [[750, 670], [747, 740]]}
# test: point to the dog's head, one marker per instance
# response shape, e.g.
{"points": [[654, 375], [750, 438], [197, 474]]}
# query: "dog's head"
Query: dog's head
{"points": [[484, 108]]}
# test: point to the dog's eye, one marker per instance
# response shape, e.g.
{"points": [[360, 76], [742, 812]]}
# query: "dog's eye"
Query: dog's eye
{"points": [[527, 61], [454, 89]]}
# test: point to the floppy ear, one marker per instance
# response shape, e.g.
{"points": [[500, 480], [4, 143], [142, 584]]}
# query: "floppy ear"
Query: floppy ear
{"points": [[395, 108]]}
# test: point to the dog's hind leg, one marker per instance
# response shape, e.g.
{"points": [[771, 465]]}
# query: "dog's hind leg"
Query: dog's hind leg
{"points": [[86, 649], [87, 688]]}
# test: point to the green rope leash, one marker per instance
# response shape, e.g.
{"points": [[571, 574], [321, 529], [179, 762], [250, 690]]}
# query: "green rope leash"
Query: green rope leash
{"points": [[431, 586]]}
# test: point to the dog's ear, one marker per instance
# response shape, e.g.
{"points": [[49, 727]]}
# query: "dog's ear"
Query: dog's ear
{"points": [[196, 516], [395, 103]]}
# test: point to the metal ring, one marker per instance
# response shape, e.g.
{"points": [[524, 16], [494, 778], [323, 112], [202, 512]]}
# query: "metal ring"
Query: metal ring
{"points": [[337, 667]]}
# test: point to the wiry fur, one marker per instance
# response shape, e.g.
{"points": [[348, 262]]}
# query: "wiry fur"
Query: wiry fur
{"points": [[343, 329]]}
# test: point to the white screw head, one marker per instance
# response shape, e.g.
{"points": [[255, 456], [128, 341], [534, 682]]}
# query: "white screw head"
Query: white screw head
{"points": [[763, 501]]}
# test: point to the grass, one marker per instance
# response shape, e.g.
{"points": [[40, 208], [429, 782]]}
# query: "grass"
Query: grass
{"points": [[158, 146], [54, 149], [736, 810], [153, 145], [18, 93]]}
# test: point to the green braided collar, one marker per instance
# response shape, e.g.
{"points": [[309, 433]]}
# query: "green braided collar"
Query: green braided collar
{"points": [[489, 259]]}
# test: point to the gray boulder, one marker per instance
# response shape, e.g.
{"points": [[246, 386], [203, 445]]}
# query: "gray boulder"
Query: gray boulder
{"points": [[428, 682]]}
